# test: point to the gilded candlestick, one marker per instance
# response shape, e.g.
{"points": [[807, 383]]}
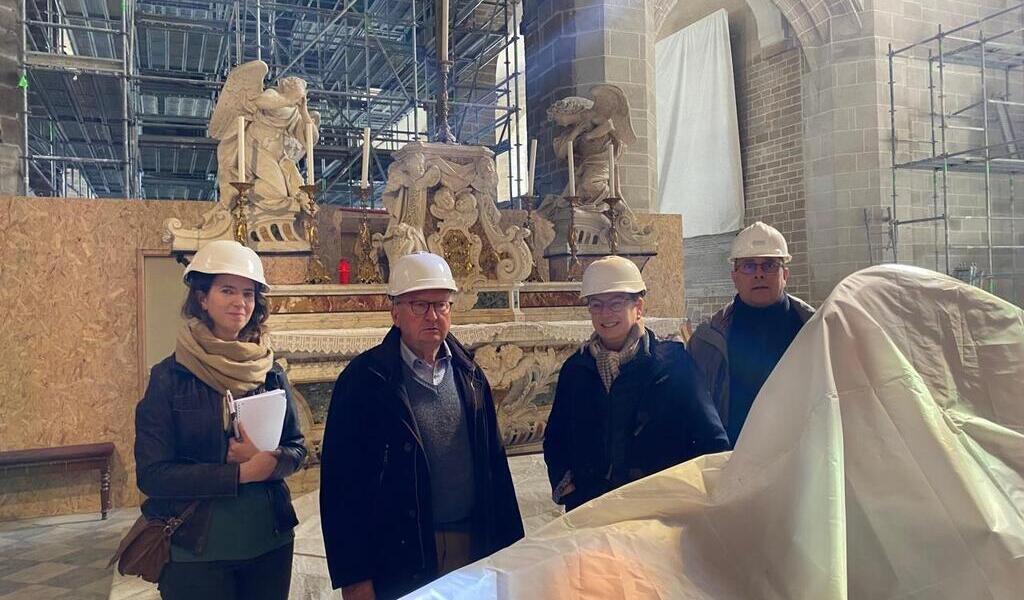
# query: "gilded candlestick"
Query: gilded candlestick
{"points": [[444, 130], [575, 267], [612, 213], [316, 273], [366, 267], [240, 211], [528, 202]]}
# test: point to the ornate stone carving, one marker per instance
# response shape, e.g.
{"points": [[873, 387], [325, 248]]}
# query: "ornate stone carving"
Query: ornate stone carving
{"points": [[528, 377], [593, 126], [441, 198], [521, 361], [275, 121]]}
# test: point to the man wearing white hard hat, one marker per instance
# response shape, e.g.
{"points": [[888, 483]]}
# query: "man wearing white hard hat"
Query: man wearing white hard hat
{"points": [[627, 404], [741, 344], [414, 478]]}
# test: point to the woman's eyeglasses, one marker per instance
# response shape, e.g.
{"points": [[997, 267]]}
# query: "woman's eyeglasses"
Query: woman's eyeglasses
{"points": [[616, 306]]}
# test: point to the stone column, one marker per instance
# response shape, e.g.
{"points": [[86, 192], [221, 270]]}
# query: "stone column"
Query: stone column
{"points": [[572, 45], [11, 131]]}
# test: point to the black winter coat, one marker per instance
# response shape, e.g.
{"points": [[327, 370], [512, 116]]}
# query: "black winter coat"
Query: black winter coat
{"points": [[657, 415], [375, 501], [181, 448]]}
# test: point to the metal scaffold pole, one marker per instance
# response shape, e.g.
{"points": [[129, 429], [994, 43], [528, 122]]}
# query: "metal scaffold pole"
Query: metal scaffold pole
{"points": [[974, 132], [145, 87]]}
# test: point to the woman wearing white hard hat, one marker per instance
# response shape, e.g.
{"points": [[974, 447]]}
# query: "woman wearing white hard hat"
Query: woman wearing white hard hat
{"points": [[236, 538], [627, 404]]}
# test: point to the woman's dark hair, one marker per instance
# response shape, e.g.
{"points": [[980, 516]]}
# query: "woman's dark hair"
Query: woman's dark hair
{"points": [[199, 285]]}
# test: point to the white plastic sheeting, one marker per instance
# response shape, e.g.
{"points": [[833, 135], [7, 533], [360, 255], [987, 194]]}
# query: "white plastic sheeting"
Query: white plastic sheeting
{"points": [[883, 459], [699, 170]]}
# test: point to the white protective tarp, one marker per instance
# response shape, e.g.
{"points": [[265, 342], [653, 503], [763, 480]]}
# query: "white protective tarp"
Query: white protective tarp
{"points": [[699, 170], [882, 459]]}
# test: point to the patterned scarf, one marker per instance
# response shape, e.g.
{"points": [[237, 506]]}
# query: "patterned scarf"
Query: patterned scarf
{"points": [[609, 361]]}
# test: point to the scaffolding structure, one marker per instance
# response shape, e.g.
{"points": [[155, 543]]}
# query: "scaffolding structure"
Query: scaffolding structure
{"points": [[964, 218], [117, 93]]}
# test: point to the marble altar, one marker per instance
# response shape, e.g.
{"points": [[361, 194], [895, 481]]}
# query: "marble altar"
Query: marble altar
{"points": [[520, 358]]}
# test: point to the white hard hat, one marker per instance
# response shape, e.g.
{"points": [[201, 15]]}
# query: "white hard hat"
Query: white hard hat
{"points": [[420, 271], [227, 257], [612, 274], [760, 241]]}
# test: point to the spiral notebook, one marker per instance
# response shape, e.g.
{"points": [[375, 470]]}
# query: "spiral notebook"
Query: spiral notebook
{"points": [[263, 417]]}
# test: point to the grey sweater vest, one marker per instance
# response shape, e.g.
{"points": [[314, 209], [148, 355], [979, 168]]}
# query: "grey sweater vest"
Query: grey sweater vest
{"points": [[442, 425]]}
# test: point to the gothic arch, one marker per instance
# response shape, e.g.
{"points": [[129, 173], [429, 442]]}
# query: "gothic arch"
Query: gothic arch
{"points": [[812, 21]]}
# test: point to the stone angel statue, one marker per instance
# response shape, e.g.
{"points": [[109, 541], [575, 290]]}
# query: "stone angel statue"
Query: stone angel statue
{"points": [[275, 131], [593, 126]]}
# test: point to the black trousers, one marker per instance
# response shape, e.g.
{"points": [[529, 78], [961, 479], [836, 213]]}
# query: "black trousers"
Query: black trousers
{"points": [[266, 577]]}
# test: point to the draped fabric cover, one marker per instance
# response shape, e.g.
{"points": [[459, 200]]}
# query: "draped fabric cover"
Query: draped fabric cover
{"points": [[883, 458]]}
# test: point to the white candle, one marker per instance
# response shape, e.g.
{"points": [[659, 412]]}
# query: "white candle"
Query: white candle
{"points": [[443, 34], [364, 182], [611, 170], [572, 170], [310, 133], [241, 149], [533, 167]]}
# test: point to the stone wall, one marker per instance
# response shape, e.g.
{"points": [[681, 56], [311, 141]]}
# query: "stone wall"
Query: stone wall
{"points": [[572, 45], [847, 140], [769, 106], [771, 142], [919, 195]]}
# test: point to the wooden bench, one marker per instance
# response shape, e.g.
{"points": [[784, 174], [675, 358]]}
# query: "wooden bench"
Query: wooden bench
{"points": [[64, 459]]}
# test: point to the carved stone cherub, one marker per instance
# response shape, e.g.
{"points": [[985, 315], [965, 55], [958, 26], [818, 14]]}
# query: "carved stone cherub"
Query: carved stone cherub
{"points": [[593, 126]]}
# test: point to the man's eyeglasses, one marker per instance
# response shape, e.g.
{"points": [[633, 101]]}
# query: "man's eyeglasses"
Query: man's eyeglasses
{"points": [[749, 267], [616, 306], [420, 308]]}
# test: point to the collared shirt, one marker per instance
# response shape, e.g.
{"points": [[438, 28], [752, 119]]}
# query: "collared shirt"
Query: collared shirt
{"points": [[429, 374]]}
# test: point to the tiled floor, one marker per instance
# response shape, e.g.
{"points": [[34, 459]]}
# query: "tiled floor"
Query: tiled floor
{"points": [[66, 557], [60, 557]]}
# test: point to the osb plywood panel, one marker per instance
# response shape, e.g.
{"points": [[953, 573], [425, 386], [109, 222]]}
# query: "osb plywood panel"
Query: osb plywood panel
{"points": [[664, 272], [68, 331], [69, 339]]}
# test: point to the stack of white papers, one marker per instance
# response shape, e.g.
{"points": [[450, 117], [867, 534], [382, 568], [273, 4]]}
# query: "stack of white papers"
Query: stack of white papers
{"points": [[263, 418]]}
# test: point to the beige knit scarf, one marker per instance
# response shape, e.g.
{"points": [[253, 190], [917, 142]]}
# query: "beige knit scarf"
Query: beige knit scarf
{"points": [[609, 361], [237, 366]]}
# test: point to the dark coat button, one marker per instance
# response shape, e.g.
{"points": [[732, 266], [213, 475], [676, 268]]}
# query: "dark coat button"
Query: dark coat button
{"points": [[412, 513], [408, 447]]}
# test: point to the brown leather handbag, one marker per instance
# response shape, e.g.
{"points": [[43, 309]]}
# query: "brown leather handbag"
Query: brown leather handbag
{"points": [[147, 547]]}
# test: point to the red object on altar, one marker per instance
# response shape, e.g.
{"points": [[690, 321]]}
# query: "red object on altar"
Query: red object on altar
{"points": [[344, 271]]}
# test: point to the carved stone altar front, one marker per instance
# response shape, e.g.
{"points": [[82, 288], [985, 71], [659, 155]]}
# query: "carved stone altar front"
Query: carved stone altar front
{"points": [[521, 361], [441, 198]]}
